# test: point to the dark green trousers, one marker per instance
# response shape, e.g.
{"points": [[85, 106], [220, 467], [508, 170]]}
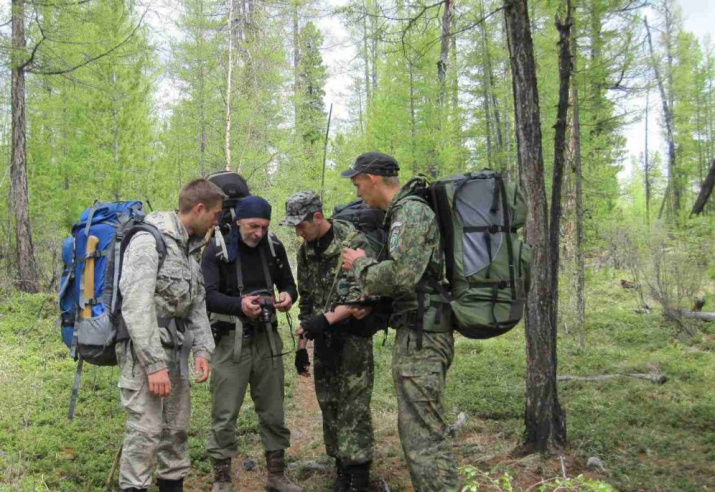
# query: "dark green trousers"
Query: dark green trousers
{"points": [[420, 377], [344, 372], [229, 381]]}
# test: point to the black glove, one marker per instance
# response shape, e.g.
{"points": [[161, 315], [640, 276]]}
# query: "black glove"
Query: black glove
{"points": [[302, 362], [315, 326]]}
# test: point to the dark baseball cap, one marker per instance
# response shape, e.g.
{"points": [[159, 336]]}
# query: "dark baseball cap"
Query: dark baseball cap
{"points": [[375, 163]]}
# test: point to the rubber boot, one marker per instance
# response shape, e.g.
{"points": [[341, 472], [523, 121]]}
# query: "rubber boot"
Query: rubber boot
{"points": [[358, 477], [170, 485], [223, 481], [277, 480], [341, 478]]}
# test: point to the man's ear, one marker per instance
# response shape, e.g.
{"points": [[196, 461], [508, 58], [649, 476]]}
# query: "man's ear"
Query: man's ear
{"points": [[318, 215], [199, 207], [374, 179]]}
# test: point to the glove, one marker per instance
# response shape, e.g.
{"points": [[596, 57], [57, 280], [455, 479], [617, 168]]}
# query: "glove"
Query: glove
{"points": [[301, 361], [315, 326]]}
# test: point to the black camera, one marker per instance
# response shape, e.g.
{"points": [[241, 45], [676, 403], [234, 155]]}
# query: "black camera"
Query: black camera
{"points": [[267, 303]]}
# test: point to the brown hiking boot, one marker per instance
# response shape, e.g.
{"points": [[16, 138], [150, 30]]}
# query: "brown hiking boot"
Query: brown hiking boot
{"points": [[277, 480], [223, 481]]}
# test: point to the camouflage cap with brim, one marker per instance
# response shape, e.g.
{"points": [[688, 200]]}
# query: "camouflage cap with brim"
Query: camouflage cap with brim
{"points": [[300, 206]]}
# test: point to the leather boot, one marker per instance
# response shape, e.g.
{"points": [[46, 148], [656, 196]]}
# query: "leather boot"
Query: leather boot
{"points": [[341, 477], [277, 480], [358, 477], [170, 485], [223, 481]]}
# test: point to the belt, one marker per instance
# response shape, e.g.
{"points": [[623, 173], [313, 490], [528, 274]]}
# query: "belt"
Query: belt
{"points": [[181, 352]]}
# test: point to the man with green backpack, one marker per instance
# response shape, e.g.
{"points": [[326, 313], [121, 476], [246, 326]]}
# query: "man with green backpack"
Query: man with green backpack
{"points": [[420, 359], [462, 229]]}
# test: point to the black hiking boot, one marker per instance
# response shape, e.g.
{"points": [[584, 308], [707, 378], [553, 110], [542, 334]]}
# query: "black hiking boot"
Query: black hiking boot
{"points": [[358, 477], [342, 481], [170, 485]]}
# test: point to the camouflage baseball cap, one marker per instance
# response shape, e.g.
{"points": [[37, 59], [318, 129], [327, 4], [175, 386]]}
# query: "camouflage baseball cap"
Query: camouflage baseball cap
{"points": [[300, 206]]}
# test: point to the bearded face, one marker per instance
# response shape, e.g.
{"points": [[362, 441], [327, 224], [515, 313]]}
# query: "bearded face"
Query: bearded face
{"points": [[252, 230]]}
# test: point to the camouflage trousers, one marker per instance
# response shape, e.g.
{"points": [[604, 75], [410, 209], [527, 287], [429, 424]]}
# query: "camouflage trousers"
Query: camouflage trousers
{"points": [[156, 427], [419, 377], [229, 382], [344, 372]]}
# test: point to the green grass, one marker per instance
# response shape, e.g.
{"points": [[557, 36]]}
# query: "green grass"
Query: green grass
{"points": [[649, 437]]}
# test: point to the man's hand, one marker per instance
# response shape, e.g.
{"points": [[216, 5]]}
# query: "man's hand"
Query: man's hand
{"points": [[284, 302], [359, 312], [202, 368], [159, 383], [302, 362], [249, 308], [313, 327], [349, 257]]}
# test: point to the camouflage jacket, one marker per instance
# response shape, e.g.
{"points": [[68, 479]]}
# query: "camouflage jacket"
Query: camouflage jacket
{"points": [[317, 282], [413, 250], [176, 290]]}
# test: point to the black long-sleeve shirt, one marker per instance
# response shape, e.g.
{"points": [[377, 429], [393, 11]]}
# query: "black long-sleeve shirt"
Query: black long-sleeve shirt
{"points": [[222, 295]]}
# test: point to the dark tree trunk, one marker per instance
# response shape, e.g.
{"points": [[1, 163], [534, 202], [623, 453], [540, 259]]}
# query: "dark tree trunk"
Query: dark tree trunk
{"points": [[668, 118], [544, 418], [565, 69], [27, 277], [577, 168], [705, 190]]}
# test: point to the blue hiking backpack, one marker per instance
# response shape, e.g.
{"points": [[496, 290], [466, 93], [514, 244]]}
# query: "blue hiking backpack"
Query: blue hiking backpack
{"points": [[91, 321]]}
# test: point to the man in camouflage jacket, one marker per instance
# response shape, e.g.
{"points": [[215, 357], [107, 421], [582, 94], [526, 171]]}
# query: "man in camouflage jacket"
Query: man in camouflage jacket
{"points": [[424, 345], [165, 316], [343, 362]]}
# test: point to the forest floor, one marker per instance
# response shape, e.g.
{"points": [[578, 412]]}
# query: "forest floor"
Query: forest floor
{"points": [[649, 437]]}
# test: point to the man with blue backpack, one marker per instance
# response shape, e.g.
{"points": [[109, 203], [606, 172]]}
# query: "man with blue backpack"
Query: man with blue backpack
{"points": [[164, 314]]}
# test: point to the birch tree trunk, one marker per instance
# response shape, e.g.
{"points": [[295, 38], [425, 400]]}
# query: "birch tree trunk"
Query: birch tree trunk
{"points": [[444, 53], [646, 163], [544, 418]]}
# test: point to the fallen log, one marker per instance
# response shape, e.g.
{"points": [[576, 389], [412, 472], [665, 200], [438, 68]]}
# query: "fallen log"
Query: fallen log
{"points": [[653, 378], [696, 315]]}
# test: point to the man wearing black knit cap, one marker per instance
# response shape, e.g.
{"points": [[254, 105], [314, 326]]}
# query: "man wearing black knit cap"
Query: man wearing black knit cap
{"points": [[240, 296]]}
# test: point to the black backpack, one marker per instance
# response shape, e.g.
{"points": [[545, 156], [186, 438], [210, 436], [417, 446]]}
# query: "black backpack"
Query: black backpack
{"points": [[369, 221]]}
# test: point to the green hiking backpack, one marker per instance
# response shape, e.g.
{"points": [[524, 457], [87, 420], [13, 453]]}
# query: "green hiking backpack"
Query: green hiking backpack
{"points": [[488, 265]]}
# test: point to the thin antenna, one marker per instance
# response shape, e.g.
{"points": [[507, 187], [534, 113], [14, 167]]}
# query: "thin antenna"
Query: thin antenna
{"points": [[325, 152]]}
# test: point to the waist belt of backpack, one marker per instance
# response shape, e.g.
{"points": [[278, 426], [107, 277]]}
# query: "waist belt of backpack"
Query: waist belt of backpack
{"points": [[181, 352], [237, 326]]}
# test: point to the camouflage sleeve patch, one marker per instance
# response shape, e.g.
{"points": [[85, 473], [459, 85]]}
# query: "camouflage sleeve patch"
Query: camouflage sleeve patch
{"points": [[394, 236], [412, 241]]}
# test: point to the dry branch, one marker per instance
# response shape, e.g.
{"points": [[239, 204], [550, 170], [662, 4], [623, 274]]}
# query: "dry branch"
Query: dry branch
{"points": [[653, 378]]}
